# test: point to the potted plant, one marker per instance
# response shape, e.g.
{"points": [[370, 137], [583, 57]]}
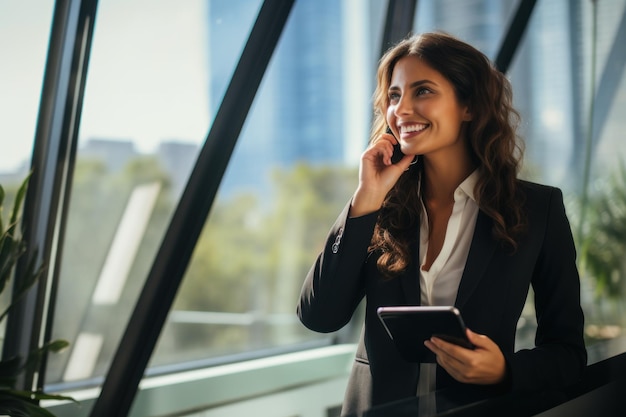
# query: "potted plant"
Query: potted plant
{"points": [[15, 402]]}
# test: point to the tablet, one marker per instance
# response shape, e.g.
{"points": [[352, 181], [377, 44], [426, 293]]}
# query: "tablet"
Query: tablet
{"points": [[410, 326]]}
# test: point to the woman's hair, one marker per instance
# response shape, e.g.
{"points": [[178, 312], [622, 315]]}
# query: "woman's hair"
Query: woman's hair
{"points": [[491, 134]]}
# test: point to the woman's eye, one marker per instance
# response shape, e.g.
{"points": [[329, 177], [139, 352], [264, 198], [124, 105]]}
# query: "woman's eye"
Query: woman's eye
{"points": [[394, 97], [422, 91]]}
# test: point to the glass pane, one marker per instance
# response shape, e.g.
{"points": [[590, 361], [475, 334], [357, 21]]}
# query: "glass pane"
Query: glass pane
{"points": [[482, 23], [24, 34], [150, 95], [293, 169], [552, 80]]}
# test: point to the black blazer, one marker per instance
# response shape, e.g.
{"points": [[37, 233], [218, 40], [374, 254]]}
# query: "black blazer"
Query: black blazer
{"points": [[492, 292]]}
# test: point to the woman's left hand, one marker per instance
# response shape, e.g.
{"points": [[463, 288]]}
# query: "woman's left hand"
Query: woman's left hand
{"points": [[483, 365]]}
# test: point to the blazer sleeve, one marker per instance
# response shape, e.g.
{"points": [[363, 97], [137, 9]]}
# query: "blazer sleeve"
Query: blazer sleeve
{"points": [[334, 287], [559, 356]]}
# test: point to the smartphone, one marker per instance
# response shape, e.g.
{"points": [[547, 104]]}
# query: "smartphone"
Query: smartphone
{"points": [[410, 326], [397, 152]]}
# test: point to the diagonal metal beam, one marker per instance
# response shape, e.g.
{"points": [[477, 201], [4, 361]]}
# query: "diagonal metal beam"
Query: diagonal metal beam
{"points": [[44, 217], [398, 22], [158, 293], [514, 35]]}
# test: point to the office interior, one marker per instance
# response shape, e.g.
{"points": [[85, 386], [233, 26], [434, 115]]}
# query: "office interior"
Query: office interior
{"points": [[185, 160]]}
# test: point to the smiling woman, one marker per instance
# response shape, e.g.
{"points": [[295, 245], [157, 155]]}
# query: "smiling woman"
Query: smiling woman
{"points": [[476, 236], [157, 74]]}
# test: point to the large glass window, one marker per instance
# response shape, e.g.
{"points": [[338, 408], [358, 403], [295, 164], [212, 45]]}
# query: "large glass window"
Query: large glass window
{"points": [[24, 34], [147, 110], [157, 75], [568, 79], [293, 169]]}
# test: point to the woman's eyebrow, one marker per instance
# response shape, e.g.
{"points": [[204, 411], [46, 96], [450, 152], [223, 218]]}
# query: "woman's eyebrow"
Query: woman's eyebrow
{"points": [[414, 84], [422, 82]]}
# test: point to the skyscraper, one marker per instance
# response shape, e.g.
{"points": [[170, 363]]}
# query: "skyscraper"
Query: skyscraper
{"points": [[299, 111]]}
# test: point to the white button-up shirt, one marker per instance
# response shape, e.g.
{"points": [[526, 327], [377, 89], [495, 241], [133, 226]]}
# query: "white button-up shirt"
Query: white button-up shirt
{"points": [[439, 285]]}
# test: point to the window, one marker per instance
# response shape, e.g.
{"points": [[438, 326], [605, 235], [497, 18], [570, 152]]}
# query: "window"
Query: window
{"points": [[146, 112], [24, 33], [293, 169], [155, 81], [582, 157]]}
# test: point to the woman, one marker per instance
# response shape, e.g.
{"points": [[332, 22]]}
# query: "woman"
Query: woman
{"points": [[456, 228]]}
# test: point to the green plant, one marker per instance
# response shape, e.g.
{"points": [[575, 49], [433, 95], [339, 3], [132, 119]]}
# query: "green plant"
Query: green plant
{"points": [[15, 402], [605, 244]]}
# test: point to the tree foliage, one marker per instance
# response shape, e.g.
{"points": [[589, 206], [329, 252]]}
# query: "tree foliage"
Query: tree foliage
{"points": [[255, 250], [605, 241]]}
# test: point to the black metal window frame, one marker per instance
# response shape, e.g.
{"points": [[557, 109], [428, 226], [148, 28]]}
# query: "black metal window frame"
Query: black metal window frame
{"points": [[29, 324]]}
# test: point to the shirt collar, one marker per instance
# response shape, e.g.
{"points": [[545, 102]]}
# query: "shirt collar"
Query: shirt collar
{"points": [[468, 184], [466, 187]]}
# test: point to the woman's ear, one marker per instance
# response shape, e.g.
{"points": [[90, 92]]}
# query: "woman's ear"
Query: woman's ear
{"points": [[467, 115]]}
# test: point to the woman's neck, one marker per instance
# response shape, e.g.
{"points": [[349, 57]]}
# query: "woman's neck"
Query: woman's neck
{"points": [[442, 177]]}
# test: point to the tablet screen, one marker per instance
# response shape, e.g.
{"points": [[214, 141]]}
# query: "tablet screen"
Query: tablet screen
{"points": [[410, 326]]}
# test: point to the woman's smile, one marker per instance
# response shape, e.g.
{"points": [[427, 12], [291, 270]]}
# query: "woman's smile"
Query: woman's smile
{"points": [[410, 130]]}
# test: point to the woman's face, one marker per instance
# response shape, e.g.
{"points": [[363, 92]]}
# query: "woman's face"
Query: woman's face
{"points": [[424, 113]]}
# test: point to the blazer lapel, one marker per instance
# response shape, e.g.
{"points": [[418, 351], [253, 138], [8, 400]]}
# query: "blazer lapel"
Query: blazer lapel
{"points": [[481, 250]]}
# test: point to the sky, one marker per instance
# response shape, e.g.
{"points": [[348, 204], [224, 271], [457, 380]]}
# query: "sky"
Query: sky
{"points": [[147, 80]]}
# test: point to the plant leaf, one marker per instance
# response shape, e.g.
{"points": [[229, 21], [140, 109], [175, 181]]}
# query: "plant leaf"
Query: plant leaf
{"points": [[15, 405], [31, 275], [2, 193], [19, 197], [11, 246], [10, 251], [9, 370], [56, 345], [35, 356], [39, 395], [10, 238]]}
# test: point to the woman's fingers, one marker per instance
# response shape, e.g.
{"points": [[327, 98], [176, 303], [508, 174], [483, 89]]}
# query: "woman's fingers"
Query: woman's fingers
{"points": [[485, 364]]}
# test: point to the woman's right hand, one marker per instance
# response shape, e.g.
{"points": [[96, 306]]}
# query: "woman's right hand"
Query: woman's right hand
{"points": [[377, 175]]}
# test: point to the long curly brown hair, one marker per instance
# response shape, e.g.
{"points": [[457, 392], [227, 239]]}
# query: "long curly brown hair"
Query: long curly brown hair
{"points": [[491, 133]]}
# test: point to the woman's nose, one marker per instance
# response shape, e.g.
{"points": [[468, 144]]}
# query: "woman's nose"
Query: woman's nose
{"points": [[404, 105]]}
